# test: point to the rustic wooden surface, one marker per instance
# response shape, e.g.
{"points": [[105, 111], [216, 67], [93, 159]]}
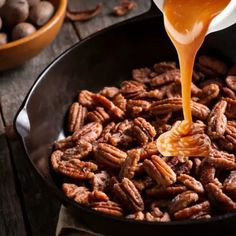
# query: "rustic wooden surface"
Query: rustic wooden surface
{"points": [[26, 207]]}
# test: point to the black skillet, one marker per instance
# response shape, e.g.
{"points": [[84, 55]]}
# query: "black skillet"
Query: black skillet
{"points": [[104, 59]]}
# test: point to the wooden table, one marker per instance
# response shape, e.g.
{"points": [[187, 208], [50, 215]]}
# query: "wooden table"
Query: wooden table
{"points": [[26, 207]]}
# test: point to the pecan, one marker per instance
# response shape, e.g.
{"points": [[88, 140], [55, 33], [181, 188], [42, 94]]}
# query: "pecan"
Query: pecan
{"points": [[228, 142], [189, 212], [98, 115], [109, 92], [136, 216], [128, 195], [120, 101], [231, 82], [77, 116], [129, 165], [135, 107], [212, 64], [221, 154], [207, 174], [182, 200], [231, 108], [109, 105], [219, 199], [81, 150], [229, 185], [74, 168], [196, 166], [159, 171], [148, 150], [142, 184], [132, 89], [217, 120], [109, 208], [143, 131], [155, 217], [89, 132], [141, 75], [79, 194], [191, 183], [221, 163], [56, 158], [64, 144], [165, 192], [109, 156], [229, 93], [209, 93], [100, 181], [166, 106], [152, 94], [164, 66], [84, 15], [98, 196], [85, 98], [106, 133], [166, 77], [125, 7]]}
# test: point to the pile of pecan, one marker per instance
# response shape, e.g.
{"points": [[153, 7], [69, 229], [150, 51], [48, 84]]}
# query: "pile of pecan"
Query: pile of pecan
{"points": [[110, 161]]}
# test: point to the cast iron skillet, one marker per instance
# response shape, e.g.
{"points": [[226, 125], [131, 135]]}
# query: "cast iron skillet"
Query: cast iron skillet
{"points": [[104, 59]]}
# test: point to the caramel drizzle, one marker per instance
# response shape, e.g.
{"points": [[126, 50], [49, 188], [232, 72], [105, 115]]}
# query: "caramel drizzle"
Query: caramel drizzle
{"points": [[186, 23]]}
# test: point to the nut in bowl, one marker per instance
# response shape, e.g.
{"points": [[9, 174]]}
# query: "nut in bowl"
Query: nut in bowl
{"points": [[34, 26]]}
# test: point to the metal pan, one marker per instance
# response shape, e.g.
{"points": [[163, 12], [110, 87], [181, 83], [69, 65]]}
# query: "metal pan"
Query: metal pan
{"points": [[104, 59]]}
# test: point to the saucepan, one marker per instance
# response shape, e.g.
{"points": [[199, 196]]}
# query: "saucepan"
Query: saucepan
{"points": [[104, 59]]}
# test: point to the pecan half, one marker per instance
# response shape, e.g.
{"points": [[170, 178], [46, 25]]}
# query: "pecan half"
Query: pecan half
{"points": [[164, 66], [148, 150], [109, 92], [98, 115], [209, 93], [81, 150], [213, 64], [217, 121], [120, 101], [109, 155], [101, 181], [74, 168], [159, 171], [128, 195], [228, 142], [169, 105], [229, 185], [109, 105], [231, 82], [85, 98], [109, 208], [132, 89], [125, 7], [136, 216], [129, 165], [98, 196], [157, 216], [77, 116], [89, 132], [64, 144], [141, 75], [79, 193], [143, 131], [165, 192], [229, 93], [221, 163], [189, 212], [191, 183], [166, 77], [106, 133], [135, 107], [219, 199], [182, 200]]}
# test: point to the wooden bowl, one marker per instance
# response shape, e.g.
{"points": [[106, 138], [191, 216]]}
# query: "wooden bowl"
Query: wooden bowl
{"points": [[17, 52]]}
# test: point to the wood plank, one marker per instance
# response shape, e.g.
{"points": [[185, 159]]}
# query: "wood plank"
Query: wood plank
{"points": [[41, 207], [106, 18], [11, 217]]}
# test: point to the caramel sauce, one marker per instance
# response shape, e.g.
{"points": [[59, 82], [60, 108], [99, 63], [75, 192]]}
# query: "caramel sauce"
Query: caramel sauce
{"points": [[187, 22]]}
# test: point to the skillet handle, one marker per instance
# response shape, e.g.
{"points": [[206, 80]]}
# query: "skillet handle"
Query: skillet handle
{"points": [[22, 123]]}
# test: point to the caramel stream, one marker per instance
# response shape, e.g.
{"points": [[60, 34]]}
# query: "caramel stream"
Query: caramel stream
{"points": [[187, 22]]}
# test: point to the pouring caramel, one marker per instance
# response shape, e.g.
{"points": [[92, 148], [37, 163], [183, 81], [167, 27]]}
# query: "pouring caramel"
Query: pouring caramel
{"points": [[186, 23]]}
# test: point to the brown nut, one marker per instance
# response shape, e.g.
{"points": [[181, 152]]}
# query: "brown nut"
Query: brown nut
{"points": [[22, 30], [3, 38], [14, 12], [41, 13]]}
